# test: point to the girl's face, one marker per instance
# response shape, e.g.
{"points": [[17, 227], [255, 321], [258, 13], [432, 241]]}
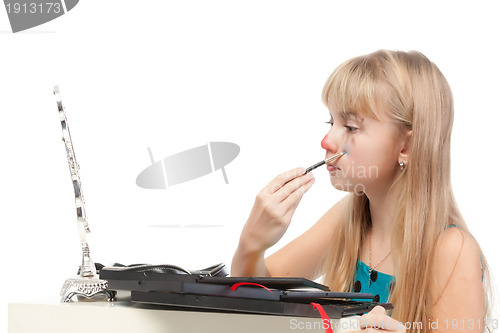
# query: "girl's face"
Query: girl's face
{"points": [[373, 148]]}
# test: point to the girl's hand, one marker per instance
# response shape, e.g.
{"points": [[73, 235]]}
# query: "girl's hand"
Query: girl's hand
{"points": [[377, 320], [273, 210]]}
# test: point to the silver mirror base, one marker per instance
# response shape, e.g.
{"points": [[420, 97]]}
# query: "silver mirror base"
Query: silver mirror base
{"points": [[87, 287]]}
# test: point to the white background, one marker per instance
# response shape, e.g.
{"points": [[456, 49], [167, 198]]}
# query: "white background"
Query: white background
{"points": [[174, 75]]}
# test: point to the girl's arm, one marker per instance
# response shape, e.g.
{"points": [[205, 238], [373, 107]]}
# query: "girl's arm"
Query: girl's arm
{"points": [[458, 291], [304, 256], [268, 221]]}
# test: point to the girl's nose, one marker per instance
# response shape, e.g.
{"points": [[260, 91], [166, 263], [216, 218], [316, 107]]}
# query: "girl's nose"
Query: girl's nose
{"points": [[324, 142], [329, 142]]}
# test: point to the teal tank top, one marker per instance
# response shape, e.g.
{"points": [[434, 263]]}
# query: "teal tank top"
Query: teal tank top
{"points": [[379, 284]]}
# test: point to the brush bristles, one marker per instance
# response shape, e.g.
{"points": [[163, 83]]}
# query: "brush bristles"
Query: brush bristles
{"points": [[334, 156]]}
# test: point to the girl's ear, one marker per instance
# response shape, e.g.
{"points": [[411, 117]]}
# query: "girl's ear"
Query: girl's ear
{"points": [[404, 154]]}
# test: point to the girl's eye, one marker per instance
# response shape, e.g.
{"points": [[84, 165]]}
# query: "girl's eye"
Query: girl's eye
{"points": [[350, 129], [329, 122]]}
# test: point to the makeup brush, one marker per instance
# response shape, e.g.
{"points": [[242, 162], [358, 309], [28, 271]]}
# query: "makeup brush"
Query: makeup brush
{"points": [[317, 165]]}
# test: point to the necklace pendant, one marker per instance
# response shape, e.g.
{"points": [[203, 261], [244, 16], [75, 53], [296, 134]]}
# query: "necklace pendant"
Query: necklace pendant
{"points": [[369, 277], [373, 275]]}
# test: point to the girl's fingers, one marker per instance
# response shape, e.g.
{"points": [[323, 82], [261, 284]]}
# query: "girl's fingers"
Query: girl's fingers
{"points": [[292, 186], [377, 319], [294, 198], [283, 178]]}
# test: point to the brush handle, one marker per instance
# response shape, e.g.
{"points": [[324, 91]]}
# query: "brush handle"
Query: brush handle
{"points": [[317, 165]]}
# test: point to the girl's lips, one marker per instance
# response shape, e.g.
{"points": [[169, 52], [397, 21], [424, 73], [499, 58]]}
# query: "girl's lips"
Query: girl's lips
{"points": [[331, 168]]}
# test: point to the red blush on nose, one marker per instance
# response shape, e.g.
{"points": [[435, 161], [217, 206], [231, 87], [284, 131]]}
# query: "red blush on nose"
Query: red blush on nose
{"points": [[323, 142]]}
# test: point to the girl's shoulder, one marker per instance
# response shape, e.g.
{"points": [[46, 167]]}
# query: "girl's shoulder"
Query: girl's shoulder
{"points": [[454, 244], [457, 264]]}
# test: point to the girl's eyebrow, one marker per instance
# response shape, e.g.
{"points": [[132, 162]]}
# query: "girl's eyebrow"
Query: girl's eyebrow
{"points": [[347, 115]]}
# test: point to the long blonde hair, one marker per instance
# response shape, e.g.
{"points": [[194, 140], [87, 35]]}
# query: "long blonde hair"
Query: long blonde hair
{"points": [[410, 90]]}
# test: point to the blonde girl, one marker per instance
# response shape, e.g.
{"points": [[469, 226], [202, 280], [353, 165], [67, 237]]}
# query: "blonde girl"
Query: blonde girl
{"points": [[399, 233]]}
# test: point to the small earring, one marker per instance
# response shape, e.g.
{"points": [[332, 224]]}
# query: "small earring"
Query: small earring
{"points": [[402, 165]]}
